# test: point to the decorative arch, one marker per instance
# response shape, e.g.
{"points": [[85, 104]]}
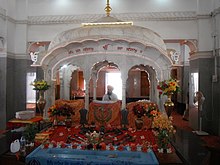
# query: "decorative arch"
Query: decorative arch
{"points": [[192, 44]]}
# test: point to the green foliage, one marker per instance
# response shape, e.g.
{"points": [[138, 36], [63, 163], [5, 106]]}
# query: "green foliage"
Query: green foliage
{"points": [[30, 132]]}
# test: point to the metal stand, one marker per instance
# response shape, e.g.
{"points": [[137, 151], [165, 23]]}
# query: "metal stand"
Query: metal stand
{"points": [[200, 99], [200, 132]]}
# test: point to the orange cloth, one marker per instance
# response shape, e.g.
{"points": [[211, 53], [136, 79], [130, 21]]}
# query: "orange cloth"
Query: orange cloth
{"points": [[15, 123], [77, 106], [106, 111], [132, 117], [29, 121]]}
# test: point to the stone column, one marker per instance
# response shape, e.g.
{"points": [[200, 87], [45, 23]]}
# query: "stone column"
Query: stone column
{"points": [[94, 79], [124, 80], [61, 79], [123, 106], [65, 84], [162, 99], [87, 94], [67, 72], [50, 93], [153, 86]]}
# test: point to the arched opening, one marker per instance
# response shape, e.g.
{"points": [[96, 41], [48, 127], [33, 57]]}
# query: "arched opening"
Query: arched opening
{"points": [[105, 73], [138, 84]]}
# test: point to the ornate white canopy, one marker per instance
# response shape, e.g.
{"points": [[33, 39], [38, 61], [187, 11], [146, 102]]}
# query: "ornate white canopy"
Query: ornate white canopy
{"points": [[110, 40]]}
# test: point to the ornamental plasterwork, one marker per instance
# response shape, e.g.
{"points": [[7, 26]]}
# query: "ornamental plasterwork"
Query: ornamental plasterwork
{"points": [[2, 13], [90, 54], [78, 19], [131, 34]]}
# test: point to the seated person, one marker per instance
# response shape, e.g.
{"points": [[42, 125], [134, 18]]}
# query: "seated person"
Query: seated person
{"points": [[110, 96]]}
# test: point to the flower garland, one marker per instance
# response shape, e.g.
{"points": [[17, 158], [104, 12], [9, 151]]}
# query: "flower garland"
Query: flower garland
{"points": [[146, 147]]}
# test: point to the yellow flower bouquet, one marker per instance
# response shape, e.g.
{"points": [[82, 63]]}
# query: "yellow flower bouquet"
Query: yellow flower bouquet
{"points": [[163, 130], [161, 122], [168, 87], [40, 85]]}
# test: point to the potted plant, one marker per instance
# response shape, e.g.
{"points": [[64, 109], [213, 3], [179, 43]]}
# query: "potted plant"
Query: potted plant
{"points": [[30, 132]]}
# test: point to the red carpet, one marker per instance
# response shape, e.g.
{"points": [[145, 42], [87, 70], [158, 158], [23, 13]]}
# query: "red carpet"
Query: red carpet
{"points": [[179, 122], [2, 131]]}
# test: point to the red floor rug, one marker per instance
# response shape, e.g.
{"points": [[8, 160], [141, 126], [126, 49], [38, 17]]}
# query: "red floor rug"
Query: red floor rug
{"points": [[179, 122], [2, 131]]}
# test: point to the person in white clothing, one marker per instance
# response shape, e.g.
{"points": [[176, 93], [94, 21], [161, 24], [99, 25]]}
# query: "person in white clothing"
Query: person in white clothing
{"points": [[110, 96]]}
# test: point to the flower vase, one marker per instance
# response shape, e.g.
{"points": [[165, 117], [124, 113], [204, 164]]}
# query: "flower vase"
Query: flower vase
{"points": [[169, 105], [41, 102], [139, 123]]}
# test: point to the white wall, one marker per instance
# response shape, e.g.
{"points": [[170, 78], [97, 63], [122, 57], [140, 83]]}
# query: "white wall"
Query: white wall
{"points": [[21, 10], [3, 4], [21, 39], [205, 42], [215, 4], [11, 8], [47, 32], [69, 7], [166, 29], [11, 27], [204, 6], [172, 29]]}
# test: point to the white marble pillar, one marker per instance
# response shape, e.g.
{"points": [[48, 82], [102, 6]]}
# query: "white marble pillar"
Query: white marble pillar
{"points": [[124, 76], [123, 106], [65, 84], [94, 79], [154, 92], [49, 94], [67, 73], [87, 95], [94, 90], [61, 88]]}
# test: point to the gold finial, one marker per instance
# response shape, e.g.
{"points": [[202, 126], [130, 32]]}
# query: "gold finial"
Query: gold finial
{"points": [[108, 8]]}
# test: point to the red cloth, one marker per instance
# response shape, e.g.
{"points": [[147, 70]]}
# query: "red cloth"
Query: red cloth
{"points": [[100, 111], [144, 138], [61, 133]]}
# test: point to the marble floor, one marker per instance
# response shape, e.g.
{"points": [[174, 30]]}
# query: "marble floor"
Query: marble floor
{"points": [[192, 148]]}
